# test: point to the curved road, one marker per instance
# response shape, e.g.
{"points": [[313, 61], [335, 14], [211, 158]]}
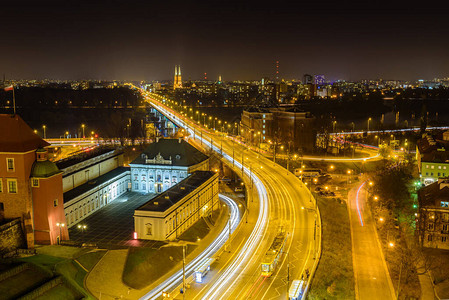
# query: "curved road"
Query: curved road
{"points": [[283, 201]]}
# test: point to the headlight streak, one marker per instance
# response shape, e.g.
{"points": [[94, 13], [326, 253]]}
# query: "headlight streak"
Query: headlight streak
{"points": [[176, 278], [259, 229]]}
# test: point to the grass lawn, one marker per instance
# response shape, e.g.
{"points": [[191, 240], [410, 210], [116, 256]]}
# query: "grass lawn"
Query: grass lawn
{"points": [[60, 291], [61, 251], [145, 265], [53, 260], [22, 283], [89, 260], [334, 278], [199, 229]]}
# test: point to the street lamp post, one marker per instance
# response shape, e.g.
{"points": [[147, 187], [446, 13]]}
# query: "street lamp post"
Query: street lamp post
{"points": [[60, 225], [369, 119], [45, 135], [82, 126]]}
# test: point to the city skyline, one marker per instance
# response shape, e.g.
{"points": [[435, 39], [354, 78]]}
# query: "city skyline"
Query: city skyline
{"points": [[240, 41]]}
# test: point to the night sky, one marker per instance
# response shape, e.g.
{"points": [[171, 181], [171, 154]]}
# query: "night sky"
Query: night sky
{"points": [[143, 40]]}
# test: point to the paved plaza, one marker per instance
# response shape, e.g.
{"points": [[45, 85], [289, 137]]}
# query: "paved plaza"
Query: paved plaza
{"points": [[113, 226]]}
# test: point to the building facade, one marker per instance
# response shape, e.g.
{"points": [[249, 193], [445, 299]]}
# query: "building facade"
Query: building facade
{"points": [[165, 163], [432, 156], [284, 125], [433, 219], [172, 212], [29, 188]]}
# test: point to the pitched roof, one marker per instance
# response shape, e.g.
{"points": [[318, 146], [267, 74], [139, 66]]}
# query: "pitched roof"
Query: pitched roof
{"points": [[178, 151], [17, 136]]}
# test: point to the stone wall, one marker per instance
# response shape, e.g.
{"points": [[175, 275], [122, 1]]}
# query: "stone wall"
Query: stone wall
{"points": [[11, 236]]}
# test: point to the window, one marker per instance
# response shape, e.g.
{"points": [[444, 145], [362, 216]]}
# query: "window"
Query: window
{"points": [[12, 186], [1, 186], [431, 174], [439, 174], [432, 167], [445, 217], [431, 226], [149, 228], [144, 186], [10, 164], [427, 166], [443, 239], [439, 167], [445, 227], [55, 202], [445, 204], [35, 182], [429, 237], [444, 168], [136, 186]]}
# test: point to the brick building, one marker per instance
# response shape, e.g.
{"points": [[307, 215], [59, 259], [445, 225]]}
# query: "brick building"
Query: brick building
{"points": [[281, 125], [27, 182], [433, 218]]}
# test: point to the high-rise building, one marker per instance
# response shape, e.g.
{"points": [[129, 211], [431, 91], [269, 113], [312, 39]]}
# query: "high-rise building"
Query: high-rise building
{"points": [[319, 79], [308, 79], [177, 82]]}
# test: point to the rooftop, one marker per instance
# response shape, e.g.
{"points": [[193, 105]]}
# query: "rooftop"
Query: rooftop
{"points": [[73, 193], [83, 155], [432, 194], [178, 151], [170, 197], [433, 149], [17, 136]]}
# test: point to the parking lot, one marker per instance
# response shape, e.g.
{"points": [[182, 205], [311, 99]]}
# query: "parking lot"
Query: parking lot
{"points": [[112, 226]]}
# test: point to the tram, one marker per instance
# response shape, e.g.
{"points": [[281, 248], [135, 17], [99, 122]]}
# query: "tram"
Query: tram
{"points": [[274, 253]]}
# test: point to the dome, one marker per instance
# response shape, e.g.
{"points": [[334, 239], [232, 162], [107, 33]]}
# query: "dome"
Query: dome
{"points": [[44, 169]]}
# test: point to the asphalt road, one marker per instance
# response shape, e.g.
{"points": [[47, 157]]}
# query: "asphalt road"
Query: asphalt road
{"points": [[371, 275], [283, 201]]}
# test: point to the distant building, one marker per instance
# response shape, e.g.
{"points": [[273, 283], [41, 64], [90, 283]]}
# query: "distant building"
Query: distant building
{"points": [[432, 156], [165, 163], [433, 219], [307, 79], [171, 213], [30, 185], [288, 126], [177, 82], [319, 79]]}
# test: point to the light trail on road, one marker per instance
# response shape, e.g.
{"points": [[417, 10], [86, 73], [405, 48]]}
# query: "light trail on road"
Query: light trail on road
{"points": [[357, 203], [176, 278], [282, 198]]}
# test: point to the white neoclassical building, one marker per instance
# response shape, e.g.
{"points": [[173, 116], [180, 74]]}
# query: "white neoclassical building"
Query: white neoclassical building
{"points": [[165, 163], [171, 213]]}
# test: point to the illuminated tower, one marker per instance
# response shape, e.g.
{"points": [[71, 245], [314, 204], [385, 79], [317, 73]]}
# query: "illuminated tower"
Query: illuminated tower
{"points": [[277, 71], [177, 82]]}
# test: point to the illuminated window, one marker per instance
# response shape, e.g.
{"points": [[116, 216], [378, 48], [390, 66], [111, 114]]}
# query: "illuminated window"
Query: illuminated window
{"points": [[12, 186], [432, 167], [427, 166], [10, 164], [55, 202], [35, 182], [444, 203], [439, 167], [1, 186]]}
